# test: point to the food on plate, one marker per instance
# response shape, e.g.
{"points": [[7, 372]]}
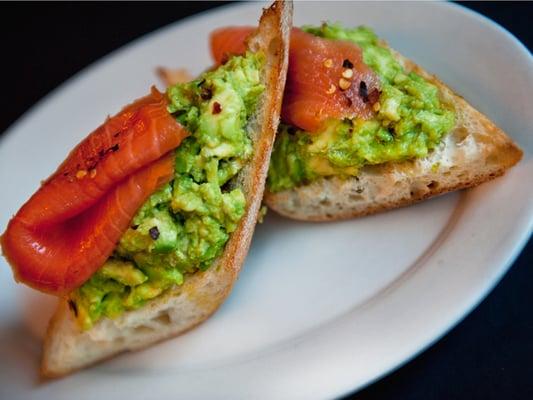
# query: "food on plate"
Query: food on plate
{"points": [[364, 129], [143, 229]]}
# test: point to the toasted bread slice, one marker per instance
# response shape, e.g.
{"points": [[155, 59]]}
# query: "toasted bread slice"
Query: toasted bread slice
{"points": [[67, 348], [474, 152]]}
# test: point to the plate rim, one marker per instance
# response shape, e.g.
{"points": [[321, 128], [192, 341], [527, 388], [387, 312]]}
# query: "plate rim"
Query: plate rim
{"points": [[511, 255]]}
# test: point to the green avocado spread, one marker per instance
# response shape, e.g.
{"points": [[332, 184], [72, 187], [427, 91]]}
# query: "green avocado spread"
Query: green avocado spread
{"points": [[410, 120], [184, 226]]}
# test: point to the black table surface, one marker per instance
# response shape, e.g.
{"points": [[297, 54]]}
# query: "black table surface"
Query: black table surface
{"points": [[489, 355]]}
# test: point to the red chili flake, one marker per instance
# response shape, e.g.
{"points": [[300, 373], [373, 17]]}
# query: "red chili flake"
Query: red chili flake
{"points": [[114, 148], [154, 232], [217, 108]]}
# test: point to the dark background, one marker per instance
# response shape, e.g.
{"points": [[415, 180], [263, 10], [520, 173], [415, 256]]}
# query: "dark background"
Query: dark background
{"points": [[489, 355]]}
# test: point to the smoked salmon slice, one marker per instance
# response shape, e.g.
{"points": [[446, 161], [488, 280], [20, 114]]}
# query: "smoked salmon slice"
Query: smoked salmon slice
{"points": [[71, 225], [228, 41], [326, 78]]}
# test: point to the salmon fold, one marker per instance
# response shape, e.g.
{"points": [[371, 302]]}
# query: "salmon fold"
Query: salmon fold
{"points": [[327, 79], [72, 224]]}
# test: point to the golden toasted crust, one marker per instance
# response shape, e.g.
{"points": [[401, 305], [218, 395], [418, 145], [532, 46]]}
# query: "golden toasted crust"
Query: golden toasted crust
{"points": [[67, 348], [474, 152]]}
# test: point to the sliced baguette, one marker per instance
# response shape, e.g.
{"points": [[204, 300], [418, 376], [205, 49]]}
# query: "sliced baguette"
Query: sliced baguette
{"points": [[67, 348], [474, 152]]}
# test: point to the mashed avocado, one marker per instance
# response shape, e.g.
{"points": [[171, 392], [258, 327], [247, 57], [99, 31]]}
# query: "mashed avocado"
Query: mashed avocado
{"points": [[409, 122], [184, 226]]}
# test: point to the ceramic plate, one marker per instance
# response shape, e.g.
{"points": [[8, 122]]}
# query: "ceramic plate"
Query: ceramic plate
{"points": [[320, 309]]}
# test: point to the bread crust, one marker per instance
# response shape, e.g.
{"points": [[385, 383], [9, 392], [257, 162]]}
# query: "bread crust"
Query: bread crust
{"points": [[476, 151], [67, 348]]}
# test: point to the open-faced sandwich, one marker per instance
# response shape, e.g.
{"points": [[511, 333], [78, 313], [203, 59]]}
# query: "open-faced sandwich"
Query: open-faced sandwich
{"points": [[143, 229], [364, 129]]}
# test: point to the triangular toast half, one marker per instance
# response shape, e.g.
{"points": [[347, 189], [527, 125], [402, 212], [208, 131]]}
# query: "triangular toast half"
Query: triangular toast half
{"points": [[475, 151], [68, 348]]}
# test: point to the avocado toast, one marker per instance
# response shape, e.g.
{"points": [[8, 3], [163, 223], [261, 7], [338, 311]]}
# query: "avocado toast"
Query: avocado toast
{"points": [[142, 231], [364, 129]]}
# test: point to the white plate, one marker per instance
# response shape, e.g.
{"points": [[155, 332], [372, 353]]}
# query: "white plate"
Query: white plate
{"points": [[320, 309]]}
